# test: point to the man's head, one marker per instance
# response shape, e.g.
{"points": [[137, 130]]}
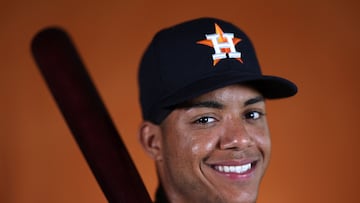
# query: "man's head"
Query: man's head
{"points": [[202, 96]]}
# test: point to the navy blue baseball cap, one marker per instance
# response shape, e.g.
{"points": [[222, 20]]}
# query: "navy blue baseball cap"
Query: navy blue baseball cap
{"points": [[198, 56]]}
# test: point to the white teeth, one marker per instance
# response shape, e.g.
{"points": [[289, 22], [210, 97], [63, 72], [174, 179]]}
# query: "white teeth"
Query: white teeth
{"points": [[234, 169]]}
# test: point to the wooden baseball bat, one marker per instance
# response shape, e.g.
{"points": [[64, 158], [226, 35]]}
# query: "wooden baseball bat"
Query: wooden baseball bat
{"points": [[87, 117]]}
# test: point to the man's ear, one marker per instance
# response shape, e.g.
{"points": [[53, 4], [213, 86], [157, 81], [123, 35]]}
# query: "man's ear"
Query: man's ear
{"points": [[150, 139]]}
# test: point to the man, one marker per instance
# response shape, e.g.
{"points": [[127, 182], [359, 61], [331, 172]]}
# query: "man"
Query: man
{"points": [[202, 96]]}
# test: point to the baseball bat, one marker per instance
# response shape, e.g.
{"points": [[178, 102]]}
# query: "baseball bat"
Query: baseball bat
{"points": [[87, 117]]}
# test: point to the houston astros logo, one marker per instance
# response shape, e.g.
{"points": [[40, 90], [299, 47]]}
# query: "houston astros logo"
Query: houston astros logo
{"points": [[223, 44]]}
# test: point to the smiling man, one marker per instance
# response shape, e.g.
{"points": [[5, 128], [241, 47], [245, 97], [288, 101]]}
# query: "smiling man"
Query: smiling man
{"points": [[203, 95]]}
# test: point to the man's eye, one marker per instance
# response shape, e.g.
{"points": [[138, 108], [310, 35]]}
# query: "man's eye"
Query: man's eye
{"points": [[205, 120], [253, 115]]}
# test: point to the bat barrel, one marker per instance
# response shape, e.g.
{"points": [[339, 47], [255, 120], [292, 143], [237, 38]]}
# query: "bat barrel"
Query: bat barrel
{"points": [[87, 117]]}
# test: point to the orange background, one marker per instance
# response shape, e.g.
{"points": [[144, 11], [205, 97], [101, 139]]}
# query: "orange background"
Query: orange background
{"points": [[315, 134]]}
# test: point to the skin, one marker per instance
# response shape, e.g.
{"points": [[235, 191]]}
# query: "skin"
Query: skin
{"points": [[225, 127]]}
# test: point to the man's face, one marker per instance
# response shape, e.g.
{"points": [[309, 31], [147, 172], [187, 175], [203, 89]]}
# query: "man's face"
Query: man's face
{"points": [[216, 148]]}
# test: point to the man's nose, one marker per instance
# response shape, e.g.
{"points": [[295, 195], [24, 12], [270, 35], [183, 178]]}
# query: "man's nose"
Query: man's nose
{"points": [[235, 136]]}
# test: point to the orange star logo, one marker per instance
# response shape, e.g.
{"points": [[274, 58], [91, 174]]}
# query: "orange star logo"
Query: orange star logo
{"points": [[223, 44]]}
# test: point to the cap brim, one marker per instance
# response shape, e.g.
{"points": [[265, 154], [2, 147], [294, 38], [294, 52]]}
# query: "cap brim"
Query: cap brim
{"points": [[271, 87]]}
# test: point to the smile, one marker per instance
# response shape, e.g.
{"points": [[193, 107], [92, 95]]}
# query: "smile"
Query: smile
{"points": [[239, 169]]}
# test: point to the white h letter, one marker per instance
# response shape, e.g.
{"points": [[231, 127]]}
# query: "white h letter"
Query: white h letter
{"points": [[220, 45]]}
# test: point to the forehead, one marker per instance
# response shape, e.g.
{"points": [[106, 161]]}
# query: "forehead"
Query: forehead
{"points": [[229, 97]]}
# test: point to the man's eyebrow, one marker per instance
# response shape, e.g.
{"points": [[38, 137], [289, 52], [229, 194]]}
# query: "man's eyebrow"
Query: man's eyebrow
{"points": [[215, 104], [254, 100], [201, 104]]}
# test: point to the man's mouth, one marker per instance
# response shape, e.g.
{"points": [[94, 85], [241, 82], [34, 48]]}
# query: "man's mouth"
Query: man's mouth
{"points": [[236, 169]]}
